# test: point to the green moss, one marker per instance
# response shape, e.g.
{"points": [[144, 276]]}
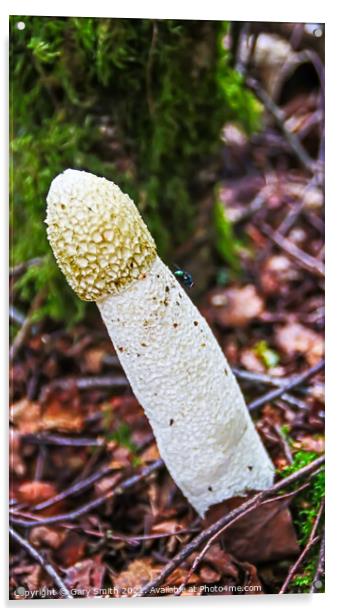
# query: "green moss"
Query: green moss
{"points": [[227, 245], [141, 102], [305, 509]]}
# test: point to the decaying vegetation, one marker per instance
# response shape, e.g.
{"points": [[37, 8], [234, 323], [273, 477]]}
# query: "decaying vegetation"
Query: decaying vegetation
{"points": [[226, 166]]}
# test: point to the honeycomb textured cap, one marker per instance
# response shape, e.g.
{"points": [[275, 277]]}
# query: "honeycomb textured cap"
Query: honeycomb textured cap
{"points": [[98, 237]]}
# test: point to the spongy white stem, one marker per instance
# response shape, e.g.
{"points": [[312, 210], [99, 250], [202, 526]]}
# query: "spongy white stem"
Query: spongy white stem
{"points": [[182, 379]]}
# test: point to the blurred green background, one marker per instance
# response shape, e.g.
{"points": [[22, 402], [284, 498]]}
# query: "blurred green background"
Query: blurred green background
{"points": [[141, 102]]}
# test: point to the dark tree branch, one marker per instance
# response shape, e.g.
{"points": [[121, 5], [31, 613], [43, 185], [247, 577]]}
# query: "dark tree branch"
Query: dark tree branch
{"points": [[320, 567], [77, 488], [19, 269], [83, 383], [308, 262], [294, 381], [310, 543], [26, 326], [279, 116], [233, 515], [43, 438], [42, 562], [94, 504]]}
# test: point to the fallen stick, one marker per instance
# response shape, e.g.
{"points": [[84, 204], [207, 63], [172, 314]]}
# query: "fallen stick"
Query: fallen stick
{"points": [[293, 382], [83, 383], [279, 116], [209, 543], [310, 543], [100, 500], [317, 583], [63, 441], [311, 264], [205, 535], [26, 327], [77, 488], [64, 592], [19, 269]]}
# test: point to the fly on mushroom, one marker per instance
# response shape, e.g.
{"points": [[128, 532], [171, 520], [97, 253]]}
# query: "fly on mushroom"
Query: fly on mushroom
{"points": [[183, 276]]}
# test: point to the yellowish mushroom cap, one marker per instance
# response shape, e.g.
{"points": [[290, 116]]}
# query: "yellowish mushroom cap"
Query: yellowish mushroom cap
{"points": [[97, 235]]}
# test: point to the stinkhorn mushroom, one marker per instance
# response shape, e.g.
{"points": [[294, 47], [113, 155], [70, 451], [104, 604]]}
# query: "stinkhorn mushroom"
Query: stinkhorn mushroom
{"points": [[173, 362]]}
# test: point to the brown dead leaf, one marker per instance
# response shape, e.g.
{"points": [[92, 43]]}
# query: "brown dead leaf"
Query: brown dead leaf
{"points": [[29, 417], [26, 416], [41, 536], [93, 359], [138, 573], [72, 549], [167, 526], [295, 338], [178, 576], [276, 273], [86, 576], [34, 578], [310, 443], [237, 306], [34, 492], [16, 463], [264, 534], [250, 360], [63, 418], [209, 575], [150, 454], [222, 561], [252, 582]]}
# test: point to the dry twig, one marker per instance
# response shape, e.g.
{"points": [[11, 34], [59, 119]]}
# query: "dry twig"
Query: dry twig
{"points": [[83, 384], [209, 543], [26, 327], [320, 567], [294, 381], [308, 262], [64, 592], [100, 500], [279, 117], [233, 515], [310, 543]]}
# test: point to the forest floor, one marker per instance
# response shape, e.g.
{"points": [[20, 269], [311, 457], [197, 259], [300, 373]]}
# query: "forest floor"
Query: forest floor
{"points": [[93, 510]]}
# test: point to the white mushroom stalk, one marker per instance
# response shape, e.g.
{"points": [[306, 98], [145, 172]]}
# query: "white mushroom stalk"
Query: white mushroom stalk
{"points": [[172, 360]]}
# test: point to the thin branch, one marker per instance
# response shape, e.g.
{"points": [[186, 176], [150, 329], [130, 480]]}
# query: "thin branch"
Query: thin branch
{"points": [[257, 377], [291, 217], [26, 326], [280, 117], [135, 539], [308, 262], [76, 488], [310, 543], [320, 567], [43, 438], [206, 534], [16, 315], [293, 382], [19, 269], [284, 443], [209, 543], [64, 592], [94, 504], [83, 384]]}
